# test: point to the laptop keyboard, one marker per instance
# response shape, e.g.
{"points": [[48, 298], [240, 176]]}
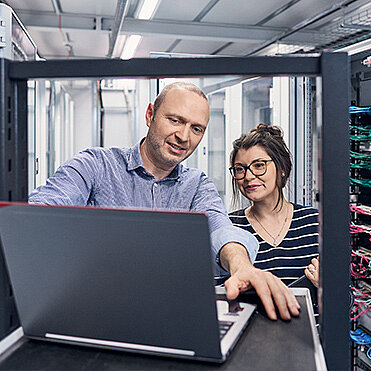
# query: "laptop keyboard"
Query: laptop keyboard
{"points": [[224, 327]]}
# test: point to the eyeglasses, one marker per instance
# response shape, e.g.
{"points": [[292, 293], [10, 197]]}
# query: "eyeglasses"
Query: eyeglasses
{"points": [[257, 168]]}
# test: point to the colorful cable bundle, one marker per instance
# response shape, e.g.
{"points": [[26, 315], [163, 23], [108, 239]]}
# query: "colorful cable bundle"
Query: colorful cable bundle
{"points": [[365, 134], [360, 156], [362, 302], [361, 165], [361, 182], [360, 228], [361, 209], [361, 265]]}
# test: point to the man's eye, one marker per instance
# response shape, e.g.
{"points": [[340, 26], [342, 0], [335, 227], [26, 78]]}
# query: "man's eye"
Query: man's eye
{"points": [[197, 130], [174, 120]]}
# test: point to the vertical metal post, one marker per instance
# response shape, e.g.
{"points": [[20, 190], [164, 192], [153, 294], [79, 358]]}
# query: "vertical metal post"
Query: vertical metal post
{"points": [[308, 141], [334, 210], [13, 172]]}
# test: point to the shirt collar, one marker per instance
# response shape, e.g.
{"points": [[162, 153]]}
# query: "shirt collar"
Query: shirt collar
{"points": [[134, 158], [135, 161]]}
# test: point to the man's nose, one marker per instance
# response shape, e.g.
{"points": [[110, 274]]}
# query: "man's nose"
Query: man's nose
{"points": [[183, 133]]}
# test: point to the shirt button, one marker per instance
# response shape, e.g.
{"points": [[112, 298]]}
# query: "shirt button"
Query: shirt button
{"points": [[155, 185]]}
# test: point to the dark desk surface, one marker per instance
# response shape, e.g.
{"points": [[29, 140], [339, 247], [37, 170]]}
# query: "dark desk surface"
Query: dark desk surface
{"points": [[265, 345]]}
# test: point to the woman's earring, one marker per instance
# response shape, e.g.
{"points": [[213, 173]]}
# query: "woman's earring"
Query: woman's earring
{"points": [[283, 174]]}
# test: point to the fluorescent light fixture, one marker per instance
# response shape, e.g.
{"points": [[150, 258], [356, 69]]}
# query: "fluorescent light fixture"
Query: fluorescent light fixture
{"points": [[131, 45], [147, 9], [356, 48], [132, 42]]}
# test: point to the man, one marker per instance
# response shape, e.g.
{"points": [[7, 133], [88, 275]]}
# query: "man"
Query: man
{"points": [[150, 175]]}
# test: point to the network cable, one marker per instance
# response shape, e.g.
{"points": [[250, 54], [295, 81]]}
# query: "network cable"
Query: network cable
{"points": [[362, 302], [360, 337], [361, 182], [360, 137], [361, 128], [361, 209], [361, 165], [360, 110], [360, 156], [360, 267]]}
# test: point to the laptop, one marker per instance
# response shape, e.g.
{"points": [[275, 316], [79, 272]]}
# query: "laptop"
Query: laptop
{"points": [[131, 280]]}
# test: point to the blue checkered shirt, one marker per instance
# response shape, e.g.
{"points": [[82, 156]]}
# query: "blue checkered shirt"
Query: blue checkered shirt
{"points": [[115, 177]]}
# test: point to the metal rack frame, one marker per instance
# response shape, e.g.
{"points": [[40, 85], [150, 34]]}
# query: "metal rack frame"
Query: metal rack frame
{"points": [[333, 157]]}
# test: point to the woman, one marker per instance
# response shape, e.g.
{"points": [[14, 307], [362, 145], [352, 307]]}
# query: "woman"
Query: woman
{"points": [[287, 233]]}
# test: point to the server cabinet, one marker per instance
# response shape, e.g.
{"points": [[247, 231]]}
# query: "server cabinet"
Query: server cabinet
{"points": [[333, 70]]}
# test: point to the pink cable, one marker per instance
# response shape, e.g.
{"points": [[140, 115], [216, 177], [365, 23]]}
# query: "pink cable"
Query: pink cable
{"points": [[359, 314], [358, 210], [355, 274]]}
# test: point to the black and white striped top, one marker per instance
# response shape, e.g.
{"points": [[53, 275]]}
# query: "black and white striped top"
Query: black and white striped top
{"points": [[300, 245]]}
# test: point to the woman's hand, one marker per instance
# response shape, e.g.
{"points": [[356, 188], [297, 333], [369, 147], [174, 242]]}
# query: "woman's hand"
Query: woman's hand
{"points": [[312, 272]]}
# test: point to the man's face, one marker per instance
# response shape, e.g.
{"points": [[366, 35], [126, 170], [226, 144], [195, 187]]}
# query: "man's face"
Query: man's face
{"points": [[177, 128]]}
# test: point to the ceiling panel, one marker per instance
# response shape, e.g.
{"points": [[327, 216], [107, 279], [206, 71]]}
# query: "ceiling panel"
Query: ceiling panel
{"points": [[245, 12], [300, 11], [88, 46], [180, 10], [153, 44], [106, 7], [50, 44], [43, 5], [197, 47], [238, 49]]}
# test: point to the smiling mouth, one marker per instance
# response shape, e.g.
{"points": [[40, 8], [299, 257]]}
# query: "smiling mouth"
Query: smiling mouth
{"points": [[252, 187], [176, 148]]}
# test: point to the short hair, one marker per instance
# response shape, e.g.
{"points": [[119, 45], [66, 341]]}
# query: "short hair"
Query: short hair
{"points": [[176, 85], [270, 138]]}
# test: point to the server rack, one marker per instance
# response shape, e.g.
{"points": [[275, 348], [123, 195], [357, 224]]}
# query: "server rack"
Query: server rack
{"points": [[360, 200], [333, 71]]}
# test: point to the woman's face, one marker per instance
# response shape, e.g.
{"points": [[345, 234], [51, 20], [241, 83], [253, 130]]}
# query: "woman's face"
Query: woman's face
{"points": [[257, 188]]}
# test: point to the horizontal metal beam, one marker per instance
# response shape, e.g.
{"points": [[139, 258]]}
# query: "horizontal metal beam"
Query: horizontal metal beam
{"points": [[164, 67], [47, 21]]}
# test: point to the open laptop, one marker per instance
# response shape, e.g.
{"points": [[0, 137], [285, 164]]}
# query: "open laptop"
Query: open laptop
{"points": [[131, 280]]}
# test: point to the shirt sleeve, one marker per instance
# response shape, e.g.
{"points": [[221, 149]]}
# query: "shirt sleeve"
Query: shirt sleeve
{"points": [[221, 229], [72, 184]]}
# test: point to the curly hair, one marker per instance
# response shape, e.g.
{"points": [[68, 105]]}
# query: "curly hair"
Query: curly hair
{"points": [[270, 138]]}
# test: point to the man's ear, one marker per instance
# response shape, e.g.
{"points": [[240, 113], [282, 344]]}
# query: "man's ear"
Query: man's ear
{"points": [[149, 114]]}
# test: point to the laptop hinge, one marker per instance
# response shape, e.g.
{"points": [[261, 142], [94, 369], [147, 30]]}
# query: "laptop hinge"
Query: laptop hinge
{"points": [[121, 345]]}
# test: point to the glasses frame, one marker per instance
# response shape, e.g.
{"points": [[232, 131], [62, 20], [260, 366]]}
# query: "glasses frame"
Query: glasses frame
{"points": [[249, 168]]}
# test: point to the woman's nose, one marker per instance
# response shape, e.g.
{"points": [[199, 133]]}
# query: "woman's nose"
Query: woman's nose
{"points": [[249, 175]]}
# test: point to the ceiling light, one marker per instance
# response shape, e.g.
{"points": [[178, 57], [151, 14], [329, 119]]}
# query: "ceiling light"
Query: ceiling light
{"points": [[131, 45], [147, 9]]}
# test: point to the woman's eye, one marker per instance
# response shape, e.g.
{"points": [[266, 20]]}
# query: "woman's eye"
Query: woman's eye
{"points": [[239, 169], [258, 165]]}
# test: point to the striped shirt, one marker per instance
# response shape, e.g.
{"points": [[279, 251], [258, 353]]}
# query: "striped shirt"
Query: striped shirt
{"points": [[300, 245]]}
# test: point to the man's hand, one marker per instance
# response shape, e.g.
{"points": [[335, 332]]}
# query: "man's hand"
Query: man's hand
{"points": [[269, 288], [312, 272]]}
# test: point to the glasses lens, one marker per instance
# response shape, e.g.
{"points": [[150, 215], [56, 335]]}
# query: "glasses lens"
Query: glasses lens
{"points": [[238, 171], [258, 168]]}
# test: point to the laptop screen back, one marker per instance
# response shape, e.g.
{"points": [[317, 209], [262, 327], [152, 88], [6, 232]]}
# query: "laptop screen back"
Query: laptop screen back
{"points": [[139, 277]]}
